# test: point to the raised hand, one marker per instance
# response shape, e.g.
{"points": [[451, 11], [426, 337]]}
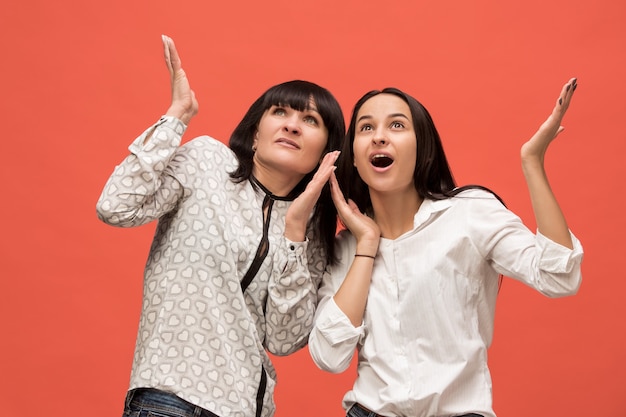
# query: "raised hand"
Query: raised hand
{"points": [[535, 148], [351, 297], [302, 207], [184, 105]]}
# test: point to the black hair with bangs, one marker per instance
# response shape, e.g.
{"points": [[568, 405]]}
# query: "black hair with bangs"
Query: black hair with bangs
{"points": [[298, 95]]}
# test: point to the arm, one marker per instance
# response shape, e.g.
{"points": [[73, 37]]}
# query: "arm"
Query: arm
{"points": [[345, 289], [334, 340], [511, 249], [298, 268], [138, 191], [292, 296], [550, 219], [351, 297]]}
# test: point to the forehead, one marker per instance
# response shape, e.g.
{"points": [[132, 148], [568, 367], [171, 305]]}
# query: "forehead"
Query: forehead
{"points": [[385, 105]]}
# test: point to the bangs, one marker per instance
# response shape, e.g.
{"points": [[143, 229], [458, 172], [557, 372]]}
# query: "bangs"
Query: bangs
{"points": [[295, 94]]}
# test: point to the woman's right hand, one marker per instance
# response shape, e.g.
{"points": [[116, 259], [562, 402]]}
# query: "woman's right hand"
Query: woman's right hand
{"points": [[184, 104], [364, 228]]}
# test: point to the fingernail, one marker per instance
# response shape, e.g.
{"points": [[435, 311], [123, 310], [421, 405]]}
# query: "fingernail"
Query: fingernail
{"points": [[567, 88], [574, 88], [560, 101]]}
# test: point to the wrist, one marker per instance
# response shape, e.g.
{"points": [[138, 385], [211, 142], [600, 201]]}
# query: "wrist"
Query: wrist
{"points": [[180, 113], [367, 249], [295, 233]]}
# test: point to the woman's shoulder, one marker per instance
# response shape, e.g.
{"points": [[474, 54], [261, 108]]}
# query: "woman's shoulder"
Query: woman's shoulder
{"points": [[207, 148], [474, 194], [208, 142]]}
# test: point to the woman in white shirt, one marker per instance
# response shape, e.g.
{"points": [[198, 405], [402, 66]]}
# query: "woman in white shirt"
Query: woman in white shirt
{"points": [[415, 287], [231, 272]]}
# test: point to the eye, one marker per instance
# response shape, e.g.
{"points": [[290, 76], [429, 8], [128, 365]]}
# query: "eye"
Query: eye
{"points": [[397, 125], [312, 120], [279, 111], [365, 127]]}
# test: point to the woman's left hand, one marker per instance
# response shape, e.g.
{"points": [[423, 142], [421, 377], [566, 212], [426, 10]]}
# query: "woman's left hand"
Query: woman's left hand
{"points": [[535, 149], [300, 210]]}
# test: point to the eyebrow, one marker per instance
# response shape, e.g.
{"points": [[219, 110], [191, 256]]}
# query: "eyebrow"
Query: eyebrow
{"points": [[391, 116]]}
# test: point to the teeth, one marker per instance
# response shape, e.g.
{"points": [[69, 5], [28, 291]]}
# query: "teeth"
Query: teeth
{"points": [[380, 156]]}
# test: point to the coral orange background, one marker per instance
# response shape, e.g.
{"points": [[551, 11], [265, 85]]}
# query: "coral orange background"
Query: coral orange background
{"points": [[80, 80]]}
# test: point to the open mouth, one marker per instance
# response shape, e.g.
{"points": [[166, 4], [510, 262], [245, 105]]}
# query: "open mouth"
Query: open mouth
{"points": [[381, 161]]}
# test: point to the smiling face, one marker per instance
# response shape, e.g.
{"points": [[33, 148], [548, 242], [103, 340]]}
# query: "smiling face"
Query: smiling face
{"points": [[385, 144], [289, 144]]}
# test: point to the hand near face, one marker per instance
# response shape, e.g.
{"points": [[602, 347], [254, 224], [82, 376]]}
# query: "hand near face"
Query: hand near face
{"points": [[302, 207], [364, 228], [535, 149], [184, 104]]}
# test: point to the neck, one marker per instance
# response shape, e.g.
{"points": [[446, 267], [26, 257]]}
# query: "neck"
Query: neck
{"points": [[277, 183], [394, 212]]}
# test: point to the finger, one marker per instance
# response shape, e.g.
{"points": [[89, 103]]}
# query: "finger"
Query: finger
{"points": [[326, 168], [329, 160], [353, 206], [166, 52], [175, 58], [566, 93], [336, 194], [559, 130]]}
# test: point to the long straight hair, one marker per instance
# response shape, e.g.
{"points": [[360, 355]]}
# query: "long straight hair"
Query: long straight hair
{"points": [[432, 177]]}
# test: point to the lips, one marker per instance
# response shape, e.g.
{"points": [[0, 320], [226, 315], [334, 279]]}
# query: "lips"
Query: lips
{"points": [[381, 160], [288, 142]]}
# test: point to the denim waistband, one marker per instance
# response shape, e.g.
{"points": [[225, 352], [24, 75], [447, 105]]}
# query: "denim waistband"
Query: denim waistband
{"points": [[357, 410], [166, 402]]}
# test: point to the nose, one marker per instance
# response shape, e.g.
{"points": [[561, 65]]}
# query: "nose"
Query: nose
{"points": [[292, 124], [379, 141]]}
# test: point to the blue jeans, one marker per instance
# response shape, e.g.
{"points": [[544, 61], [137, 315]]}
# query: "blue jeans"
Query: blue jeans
{"points": [[358, 410], [150, 402]]}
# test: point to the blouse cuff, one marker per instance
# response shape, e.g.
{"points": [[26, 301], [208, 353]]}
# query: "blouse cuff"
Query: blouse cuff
{"points": [[168, 131], [557, 258], [296, 253], [335, 326]]}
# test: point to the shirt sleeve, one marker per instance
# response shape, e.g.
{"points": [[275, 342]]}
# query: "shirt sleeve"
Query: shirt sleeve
{"points": [[514, 251], [292, 296], [333, 340], [140, 190]]}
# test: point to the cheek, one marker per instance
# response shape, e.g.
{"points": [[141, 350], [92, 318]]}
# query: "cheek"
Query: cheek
{"points": [[314, 152], [359, 150], [318, 146]]}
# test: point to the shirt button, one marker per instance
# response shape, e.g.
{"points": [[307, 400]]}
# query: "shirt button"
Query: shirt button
{"points": [[292, 247]]}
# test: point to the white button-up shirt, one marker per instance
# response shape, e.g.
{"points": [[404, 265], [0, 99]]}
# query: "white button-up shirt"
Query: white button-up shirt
{"points": [[430, 311]]}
